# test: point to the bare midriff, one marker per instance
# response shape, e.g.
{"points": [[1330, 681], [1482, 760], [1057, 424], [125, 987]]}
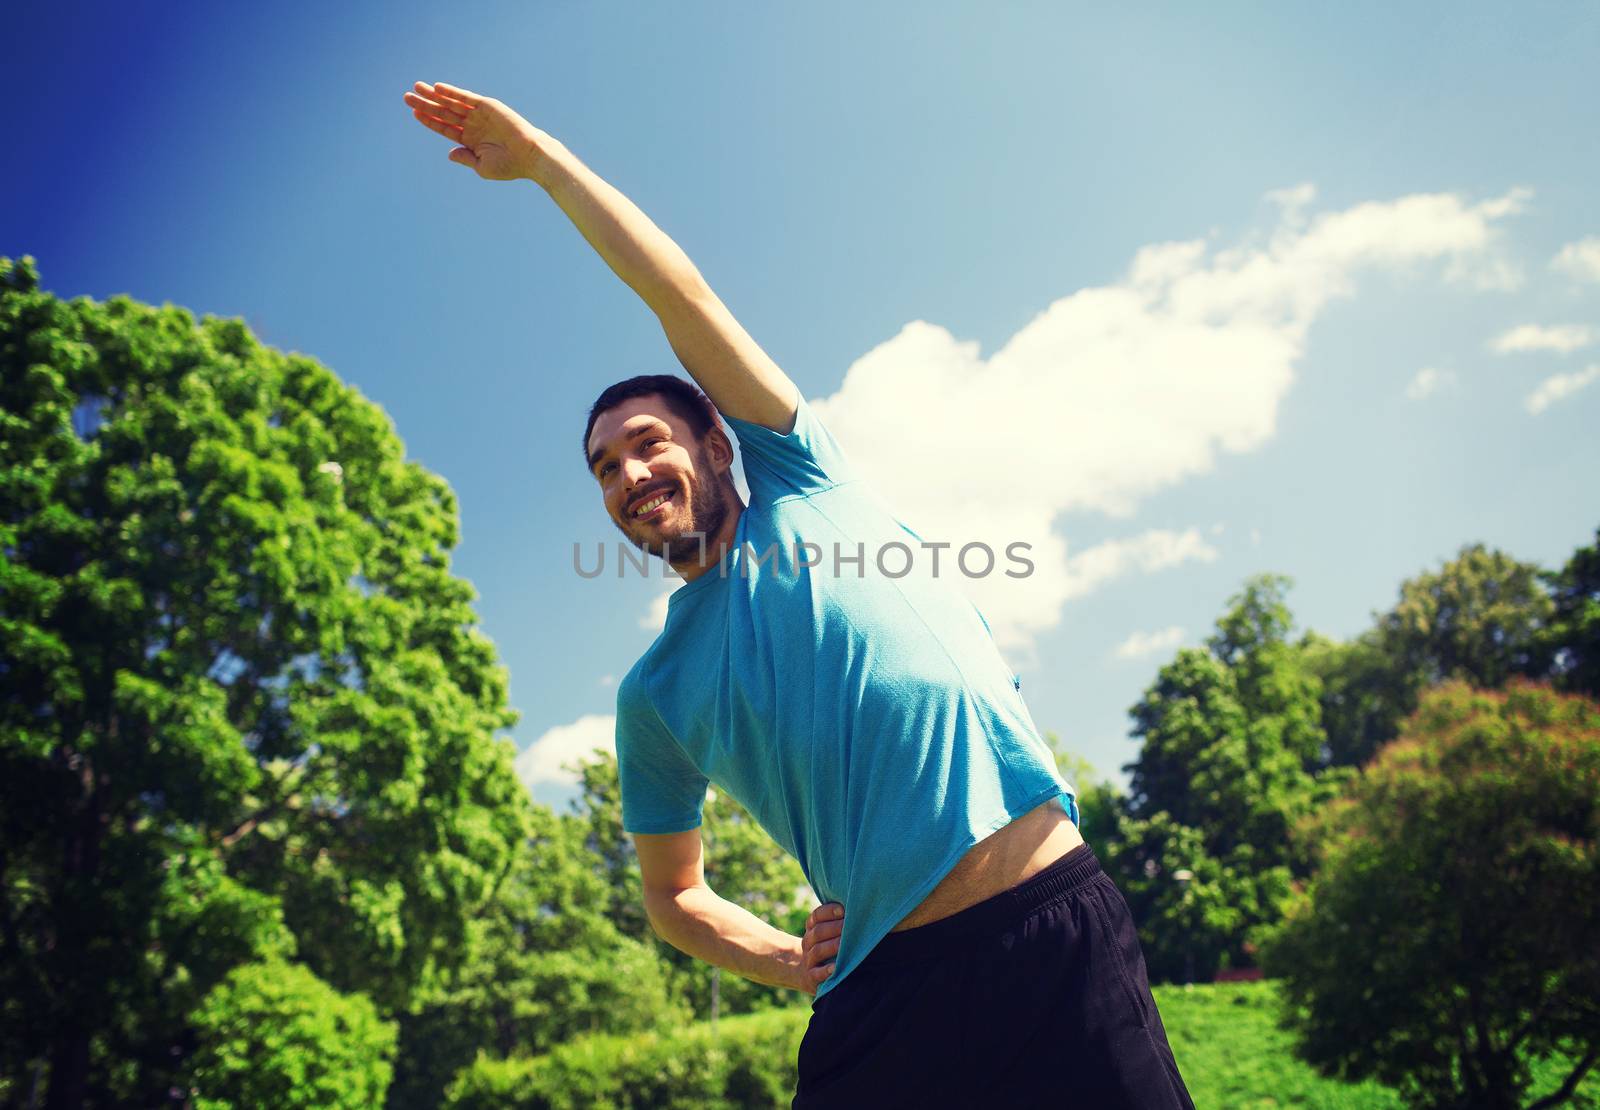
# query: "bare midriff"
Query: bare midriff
{"points": [[999, 862]]}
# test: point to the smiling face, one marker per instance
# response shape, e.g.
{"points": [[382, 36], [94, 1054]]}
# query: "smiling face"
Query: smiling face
{"points": [[663, 487]]}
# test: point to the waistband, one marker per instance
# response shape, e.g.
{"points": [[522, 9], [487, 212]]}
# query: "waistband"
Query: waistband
{"points": [[1075, 869]]}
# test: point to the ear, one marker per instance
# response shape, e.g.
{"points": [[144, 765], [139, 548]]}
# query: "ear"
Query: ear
{"points": [[719, 449]]}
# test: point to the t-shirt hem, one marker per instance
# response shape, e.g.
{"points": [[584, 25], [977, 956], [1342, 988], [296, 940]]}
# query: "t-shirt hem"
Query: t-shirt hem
{"points": [[661, 829], [914, 900]]}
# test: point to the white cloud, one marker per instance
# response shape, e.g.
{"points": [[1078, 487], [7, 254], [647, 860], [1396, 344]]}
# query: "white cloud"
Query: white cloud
{"points": [[1558, 387], [1141, 644], [1489, 272], [1427, 380], [1294, 203], [1580, 260], [1114, 393], [1150, 551], [1562, 338], [539, 764]]}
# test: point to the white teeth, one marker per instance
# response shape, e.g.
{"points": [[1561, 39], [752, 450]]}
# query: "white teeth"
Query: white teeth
{"points": [[650, 505]]}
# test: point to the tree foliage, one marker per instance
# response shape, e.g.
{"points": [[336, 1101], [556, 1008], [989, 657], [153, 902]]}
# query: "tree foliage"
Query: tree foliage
{"points": [[565, 952], [1232, 739], [742, 1063], [1476, 619], [1572, 636], [598, 810], [742, 864], [273, 1034], [1364, 695], [1449, 937], [1481, 618], [546, 964], [244, 708]]}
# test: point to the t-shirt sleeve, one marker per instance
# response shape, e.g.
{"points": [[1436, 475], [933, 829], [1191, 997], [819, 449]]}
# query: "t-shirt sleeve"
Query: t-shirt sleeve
{"points": [[807, 460], [662, 791]]}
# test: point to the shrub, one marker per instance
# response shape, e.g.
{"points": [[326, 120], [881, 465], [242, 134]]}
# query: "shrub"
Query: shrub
{"points": [[746, 1061], [273, 1034], [1449, 939]]}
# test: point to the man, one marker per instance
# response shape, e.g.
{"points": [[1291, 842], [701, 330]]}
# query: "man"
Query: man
{"points": [[968, 951]]}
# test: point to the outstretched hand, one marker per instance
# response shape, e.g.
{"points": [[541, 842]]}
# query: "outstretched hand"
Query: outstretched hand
{"points": [[494, 140]]}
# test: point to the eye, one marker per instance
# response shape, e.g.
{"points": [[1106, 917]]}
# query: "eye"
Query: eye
{"points": [[606, 469], [653, 440]]}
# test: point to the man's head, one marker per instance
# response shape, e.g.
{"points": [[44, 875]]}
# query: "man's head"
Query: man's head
{"points": [[656, 436]]}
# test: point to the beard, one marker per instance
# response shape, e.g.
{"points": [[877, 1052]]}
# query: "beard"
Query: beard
{"points": [[707, 511]]}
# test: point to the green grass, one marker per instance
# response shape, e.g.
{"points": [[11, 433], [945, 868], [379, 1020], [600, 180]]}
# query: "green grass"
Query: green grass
{"points": [[1232, 1054]]}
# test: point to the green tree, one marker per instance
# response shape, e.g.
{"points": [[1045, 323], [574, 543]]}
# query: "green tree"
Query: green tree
{"points": [[742, 864], [1482, 618], [599, 810], [545, 965], [1100, 803], [1476, 619], [1194, 910], [1572, 637], [1449, 936], [273, 1034], [244, 708], [1231, 738], [1363, 690]]}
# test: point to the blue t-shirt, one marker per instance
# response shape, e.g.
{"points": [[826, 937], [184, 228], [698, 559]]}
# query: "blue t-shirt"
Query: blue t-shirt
{"points": [[858, 707]]}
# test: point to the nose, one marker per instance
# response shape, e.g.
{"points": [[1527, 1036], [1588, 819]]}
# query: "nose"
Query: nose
{"points": [[634, 473]]}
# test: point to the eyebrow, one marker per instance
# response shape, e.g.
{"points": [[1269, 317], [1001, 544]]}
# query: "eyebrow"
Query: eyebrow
{"points": [[654, 425]]}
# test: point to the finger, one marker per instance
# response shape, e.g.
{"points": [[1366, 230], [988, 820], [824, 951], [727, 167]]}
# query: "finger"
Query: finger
{"points": [[438, 109], [820, 973], [448, 130], [828, 911], [825, 931], [465, 156], [454, 93], [432, 92]]}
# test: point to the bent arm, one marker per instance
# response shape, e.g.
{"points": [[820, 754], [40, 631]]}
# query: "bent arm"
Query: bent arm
{"points": [[688, 915], [718, 353]]}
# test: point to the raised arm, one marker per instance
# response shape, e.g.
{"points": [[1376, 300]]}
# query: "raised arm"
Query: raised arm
{"points": [[719, 354], [685, 913]]}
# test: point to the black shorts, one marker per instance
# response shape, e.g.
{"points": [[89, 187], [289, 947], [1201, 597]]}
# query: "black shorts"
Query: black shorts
{"points": [[1035, 997]]}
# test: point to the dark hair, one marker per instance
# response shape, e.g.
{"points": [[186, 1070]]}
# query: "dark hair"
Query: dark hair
{"points": [[683, 398]]}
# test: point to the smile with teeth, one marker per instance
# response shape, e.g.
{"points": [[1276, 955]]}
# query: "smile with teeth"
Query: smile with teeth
{"points": [[653, 504]]}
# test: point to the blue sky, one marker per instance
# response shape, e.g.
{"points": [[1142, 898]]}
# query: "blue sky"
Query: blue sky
{"points": [[962, 208]]}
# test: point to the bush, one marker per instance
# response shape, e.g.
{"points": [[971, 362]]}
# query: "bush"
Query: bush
{"points": [[746, 1061], [273, 1034], [1449, 938]]}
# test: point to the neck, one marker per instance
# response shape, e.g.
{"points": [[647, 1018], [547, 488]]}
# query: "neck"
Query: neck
{"points": [[716, 546]]}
